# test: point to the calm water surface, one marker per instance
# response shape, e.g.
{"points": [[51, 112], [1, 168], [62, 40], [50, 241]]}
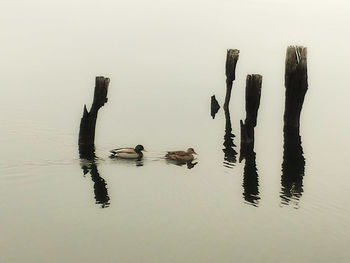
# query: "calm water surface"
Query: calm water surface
{"points": [[286, 202]]}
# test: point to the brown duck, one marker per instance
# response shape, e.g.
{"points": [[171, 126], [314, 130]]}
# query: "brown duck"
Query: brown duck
{"points": [[181, 155]]}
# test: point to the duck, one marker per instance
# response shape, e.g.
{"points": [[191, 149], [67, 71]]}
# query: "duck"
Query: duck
{"points": [[183, 156], [129, 152]]}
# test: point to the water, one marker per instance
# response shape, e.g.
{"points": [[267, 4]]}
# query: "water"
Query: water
{"points": [[165, 59]]}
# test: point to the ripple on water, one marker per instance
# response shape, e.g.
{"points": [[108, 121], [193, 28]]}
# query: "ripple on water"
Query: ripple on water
{"points": [[17, 170]]}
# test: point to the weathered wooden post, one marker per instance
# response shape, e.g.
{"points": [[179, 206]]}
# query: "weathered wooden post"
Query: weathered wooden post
{"points": [[296, 84], [230, 72], [252, 103], [87, 141], [231, 62], [214, 108], [88, 121]]}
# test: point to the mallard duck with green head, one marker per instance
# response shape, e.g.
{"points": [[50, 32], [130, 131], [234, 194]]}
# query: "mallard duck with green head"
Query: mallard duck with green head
{"points": [[129, 153], [183, 156]]}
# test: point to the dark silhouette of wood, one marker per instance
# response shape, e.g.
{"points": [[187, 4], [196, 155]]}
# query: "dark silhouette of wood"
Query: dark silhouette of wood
{"points": [[87, 141], [214, 106], [250, 177], [252, 103], [296, 84], [88, 121], [89, 165], [229, 145], [293, 166], [231, 62]]}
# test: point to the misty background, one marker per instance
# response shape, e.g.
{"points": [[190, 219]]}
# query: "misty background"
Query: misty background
{"points": [[165, 59]]}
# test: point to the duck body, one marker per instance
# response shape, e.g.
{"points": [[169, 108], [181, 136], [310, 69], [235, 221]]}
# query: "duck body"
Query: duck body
{"points": [[183, 156], [128, 152]]}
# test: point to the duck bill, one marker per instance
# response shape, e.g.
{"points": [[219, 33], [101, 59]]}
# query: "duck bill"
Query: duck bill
{"points": [[144, 150]]}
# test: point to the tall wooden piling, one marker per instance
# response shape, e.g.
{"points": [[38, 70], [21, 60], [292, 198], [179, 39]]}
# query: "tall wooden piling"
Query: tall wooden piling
{"points": [[88, 121], [87, 141], [296, 84], [252, 103], [231, 62]]}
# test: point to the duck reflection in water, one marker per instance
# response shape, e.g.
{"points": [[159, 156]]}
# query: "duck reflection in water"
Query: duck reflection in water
{"points": [[229, 151], [250, 174], [89, 165], [189, 164], [138, 162], [293, 166]]}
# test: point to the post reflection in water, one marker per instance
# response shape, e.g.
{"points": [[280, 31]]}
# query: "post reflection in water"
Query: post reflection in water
{"points": [[229, 151], [250, 174], [293, 166], [89, 165]]}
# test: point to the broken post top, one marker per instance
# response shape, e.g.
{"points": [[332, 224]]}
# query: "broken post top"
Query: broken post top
{"points": [[296, 60], [88, 121], [252, 98], [296, 83], [253, 84], [231, 61], [100, 94], [253, 87]]}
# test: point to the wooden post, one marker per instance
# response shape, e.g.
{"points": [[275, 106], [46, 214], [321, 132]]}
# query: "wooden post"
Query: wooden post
{"points": [[214, 106], [87, 141], [296, 84], [252, 103], [230, 72], [231, 61], [88, 121]]}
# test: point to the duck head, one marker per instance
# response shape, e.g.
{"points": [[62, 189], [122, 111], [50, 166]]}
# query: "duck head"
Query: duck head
{"points": [[191, 151], [139, 148]]}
